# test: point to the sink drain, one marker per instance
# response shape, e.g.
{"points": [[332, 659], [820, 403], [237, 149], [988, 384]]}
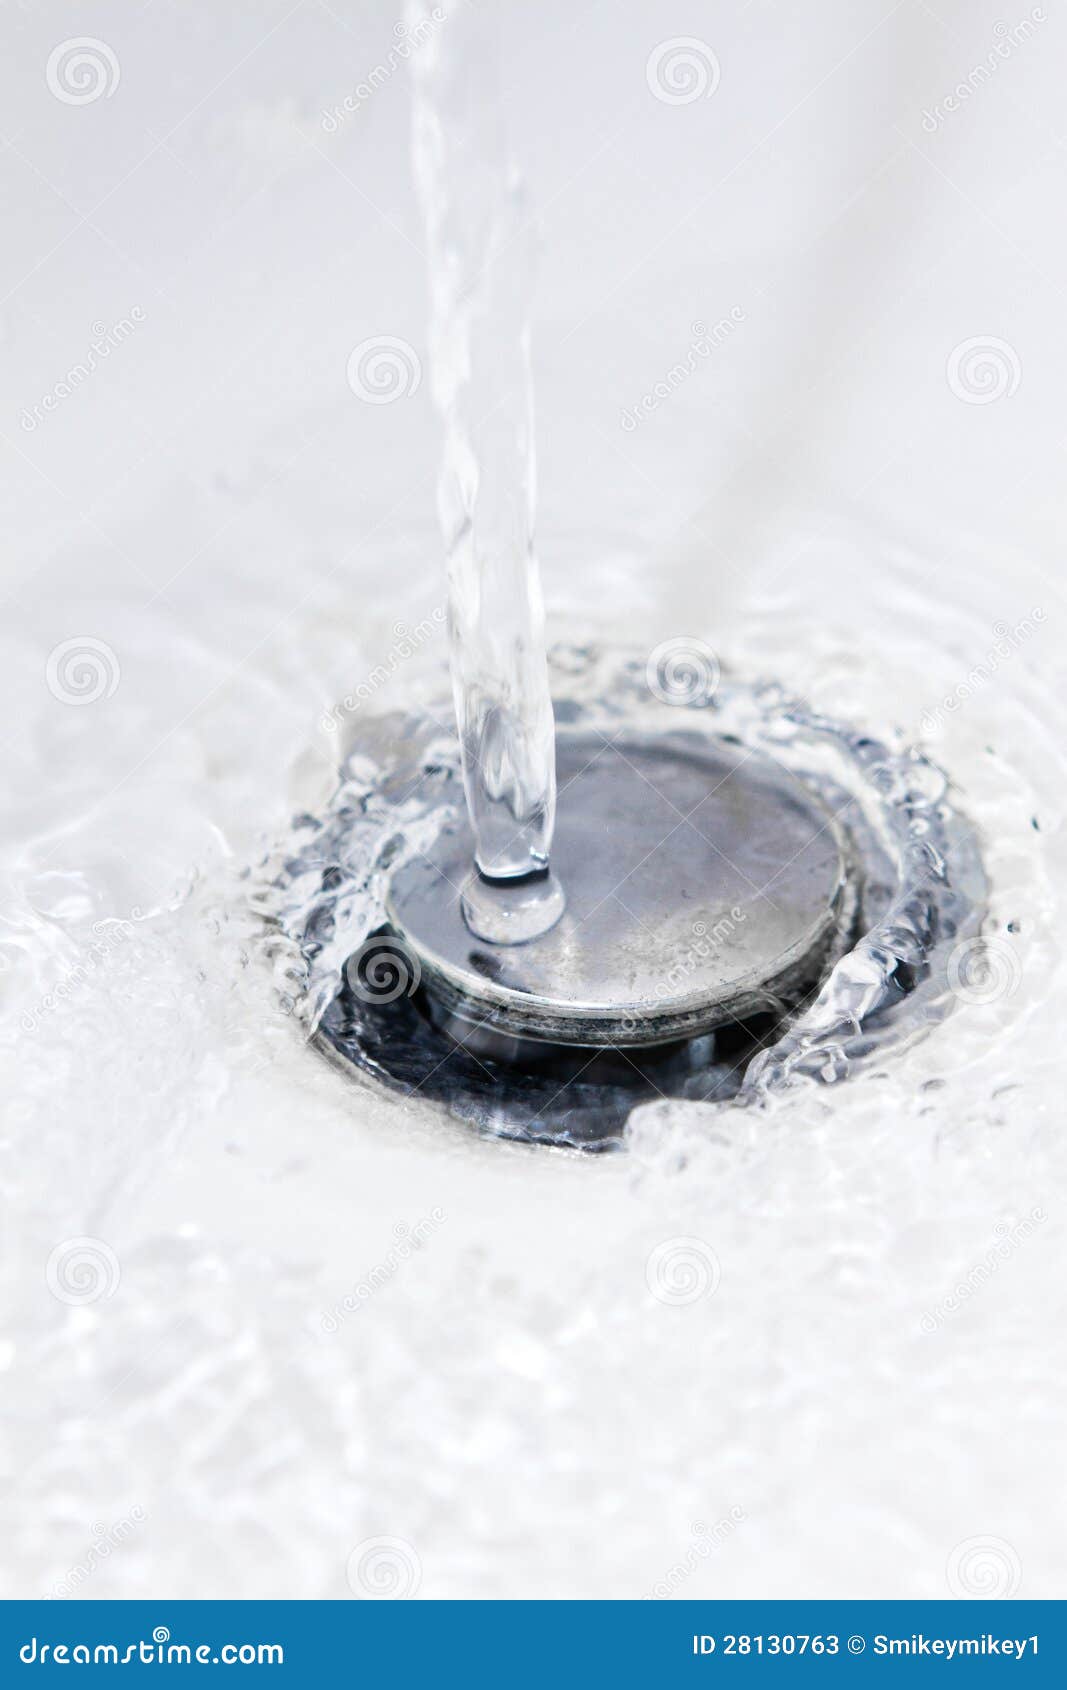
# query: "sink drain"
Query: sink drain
{"points": [[756, 895]]}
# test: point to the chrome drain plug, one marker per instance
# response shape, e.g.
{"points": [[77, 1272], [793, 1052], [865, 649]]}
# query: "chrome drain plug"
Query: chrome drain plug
{"points": [[705, 884]]}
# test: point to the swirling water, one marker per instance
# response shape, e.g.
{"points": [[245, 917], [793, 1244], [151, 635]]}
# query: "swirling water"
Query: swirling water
{"points": [[907, 949], [240, 1387]]}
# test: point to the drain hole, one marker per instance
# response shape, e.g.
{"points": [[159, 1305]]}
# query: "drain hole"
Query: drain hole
{"points": [[522, 1089]]}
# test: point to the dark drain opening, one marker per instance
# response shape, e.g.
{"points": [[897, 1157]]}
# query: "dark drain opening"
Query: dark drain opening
{"points": [[564, 1095]]}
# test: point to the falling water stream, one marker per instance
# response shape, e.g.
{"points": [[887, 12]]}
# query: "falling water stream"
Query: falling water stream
{"points": [[481, 260]]}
